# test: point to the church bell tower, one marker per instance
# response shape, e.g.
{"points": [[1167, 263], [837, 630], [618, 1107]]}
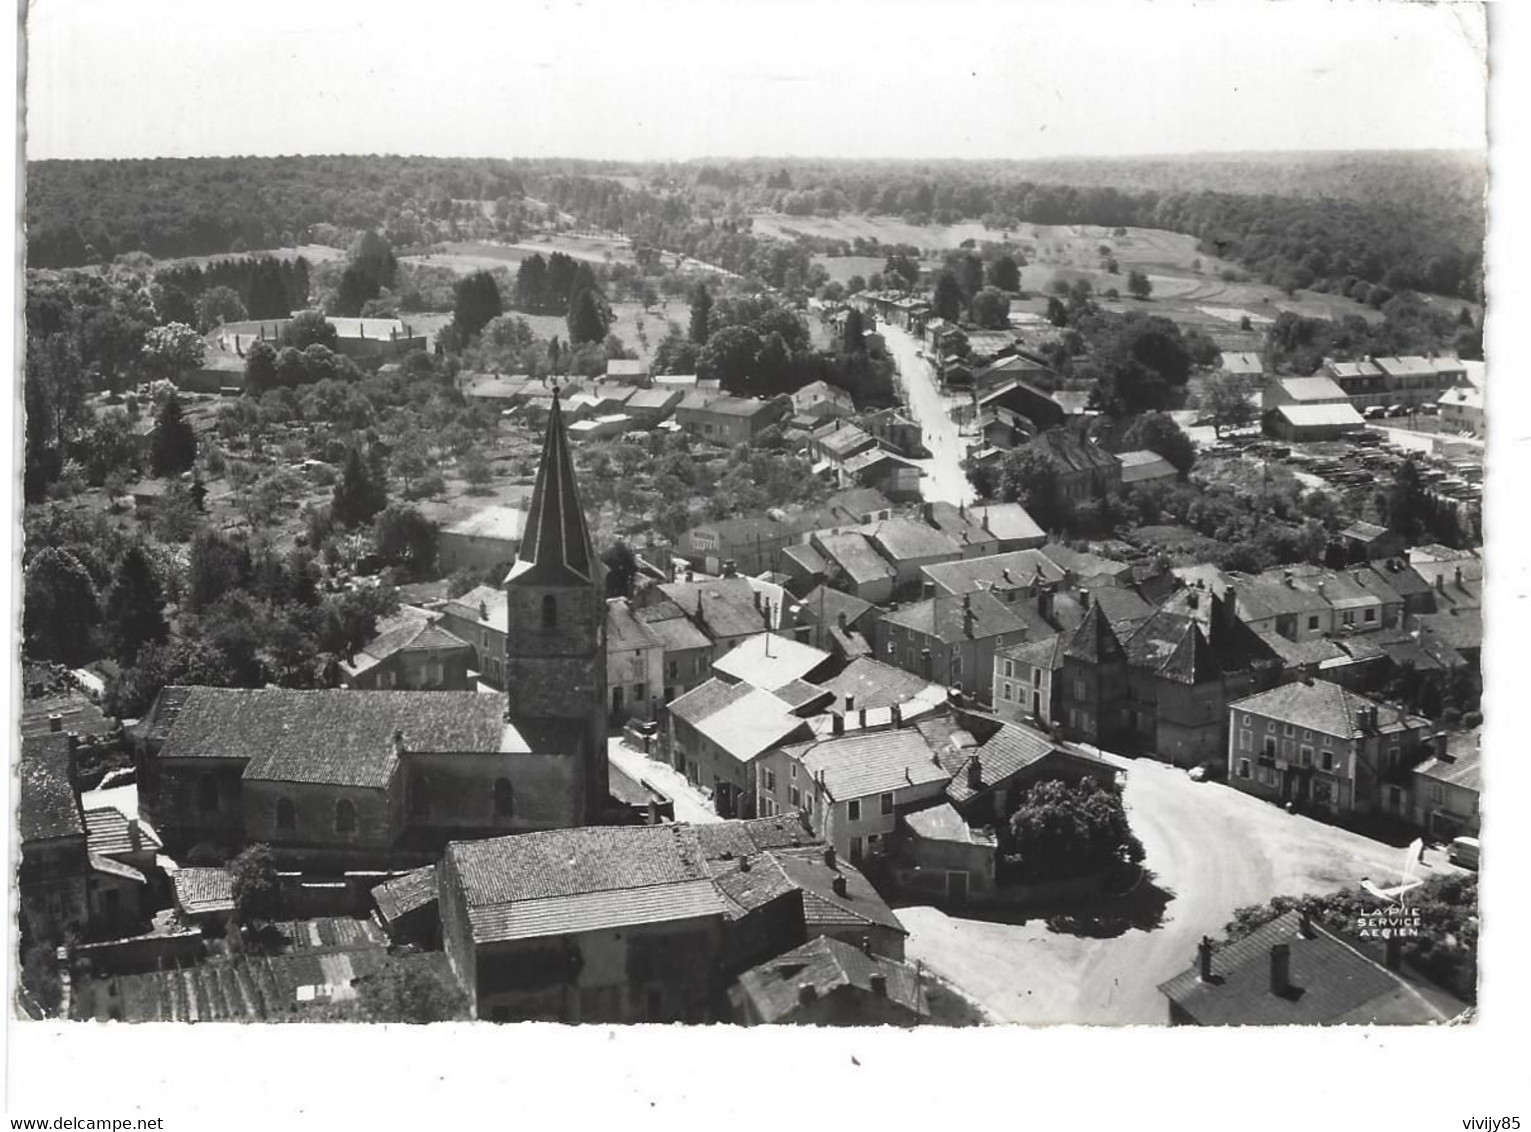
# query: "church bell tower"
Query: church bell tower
{"points": [[555, 646]]}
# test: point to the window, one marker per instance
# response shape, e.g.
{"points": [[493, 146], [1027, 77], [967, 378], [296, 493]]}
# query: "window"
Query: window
{"points": [[1306, 734], [504, 798], [855, 850], [1348, 617], [1392, 758], [1246, 719], [1009, 670], [1305, 755], [1009, 690], [1270, 725], [1036, 677], [1270, 746], [1327, 740], [639, 693], [1079, 690], [792, 771], [207, 794], [672, 670], [345, 816], [770, 780], [853, 810], [1328, 760], [286, 814], [1243, 768], [1313, 622], [795, 797], [1371, 615], [1288, 729], [1246, 739], [887, 804], [549, 611]]}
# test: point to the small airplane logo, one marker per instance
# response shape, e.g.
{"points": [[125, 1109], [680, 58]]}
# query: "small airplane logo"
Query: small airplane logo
{"points": [[1394, 895]]}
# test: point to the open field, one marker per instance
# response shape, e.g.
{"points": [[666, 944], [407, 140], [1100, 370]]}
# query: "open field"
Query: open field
{"points": [[842, 267], [314, 253], [468, 256], [888, 229]]}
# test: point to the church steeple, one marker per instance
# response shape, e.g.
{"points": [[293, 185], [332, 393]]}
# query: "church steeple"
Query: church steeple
{"points": [[555, 547]]}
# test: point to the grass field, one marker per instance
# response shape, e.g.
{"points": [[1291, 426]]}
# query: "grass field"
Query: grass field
{"points": [[466, 257], [842, 267]]}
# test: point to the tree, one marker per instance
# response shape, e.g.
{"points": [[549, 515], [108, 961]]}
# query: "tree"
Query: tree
{"points": [[171, 350], [1229, 402], [409, 462], [621, 569], [531, 284], [60, 608], [134, 607], [357, 496], [173, 445], [476, 471], [587, 321], [477, 300], [405, 538], [1057, 313], [257, 892], [414, 989], [373, 260], [260, 368], [1030, 478], [853, 334], [180, 661], [701, 307], [1060, 831], [309, 328], [947, 299], [1158, 432], [214, 566], [354, 293], [218, 305], [730, 357], [1408, 508], [991, 309], [1005, 273], [1138, 285]]}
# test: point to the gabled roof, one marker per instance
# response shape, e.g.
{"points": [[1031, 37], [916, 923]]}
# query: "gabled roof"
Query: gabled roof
{"points": [[722, 607], [855, 555], [1072, 452], [860, 462], [1316, 416], [1045, 653], [725, 840], [743, 720], [1173, 647], [945, 617], [498, 522], [675, 634], [203, 891], [1082, 563], [408, 630], [769, 661], [492, 598], [904, 540], [807, 558], [1094, 641], [856, 766], [334, 736], [1333, 983], [624, 631], [749, 882], [555, 549], [1140, 466], [823, 907], [825, 605], [568, 881], [1008, 570], [775, 988], [404, 894], [1327, 708], [1007, 521], [1461, 766], [1008, 751], [1312, 389], [48, 806], [874, 684], [846, 440]]}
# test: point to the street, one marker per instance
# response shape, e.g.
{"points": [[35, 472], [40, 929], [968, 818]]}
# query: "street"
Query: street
{"points": [[944, 479], [1209, 850]]}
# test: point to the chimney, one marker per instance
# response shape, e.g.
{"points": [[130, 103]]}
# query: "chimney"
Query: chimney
{"points": [[1440, 583], [839, 723], [1204, 957], [1281, 968], [1305, 924], [850, 703], [839, 884], [744, 864], [829, 857], [653, 813], [844, 624], [861, 719], [806, 994], [880, 985], [1441, 740], [483, 611], [898, 716], [55, 722], [756, 595], [928, 513], [1286, 576], [975, 773], [1192, 599], [1084, 599], [398, 740], [1460, 586]]}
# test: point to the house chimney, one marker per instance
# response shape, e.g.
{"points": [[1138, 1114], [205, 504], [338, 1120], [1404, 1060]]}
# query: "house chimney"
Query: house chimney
{"points": [[839, 884], [806, 994], [975, 773], [850, 702], [55, 722], [1204, 957], [879, 983], [1305, 924], [839, 723], [756, 595], [1286, 577], [744, 864], [1084, 599], [898, 716], [829, 857], [1320, 587], [861, 719], [483, 611], [1281, 968], [1441, 741], [842, 622], [928, 512], [1460, 586], [398, 740]]}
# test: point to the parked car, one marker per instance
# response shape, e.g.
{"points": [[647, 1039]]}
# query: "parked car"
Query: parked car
{"points": [[1464, 851]]}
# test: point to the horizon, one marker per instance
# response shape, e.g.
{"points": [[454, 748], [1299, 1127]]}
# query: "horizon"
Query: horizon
{"points": [[986, 81]]}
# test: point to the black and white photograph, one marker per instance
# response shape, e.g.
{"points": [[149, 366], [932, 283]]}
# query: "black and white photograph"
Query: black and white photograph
{"points": [[663, 520]]}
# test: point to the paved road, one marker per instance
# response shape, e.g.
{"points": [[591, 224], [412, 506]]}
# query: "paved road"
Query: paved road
{"points": [[690, 803], [1209, 851], [944, 478]]}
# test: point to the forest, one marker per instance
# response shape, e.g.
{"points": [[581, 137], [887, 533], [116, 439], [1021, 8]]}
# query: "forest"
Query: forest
{"points": [[1319, 221]]}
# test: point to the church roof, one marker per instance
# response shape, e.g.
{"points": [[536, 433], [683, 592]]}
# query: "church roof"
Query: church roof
{"points": [[555, 548]]}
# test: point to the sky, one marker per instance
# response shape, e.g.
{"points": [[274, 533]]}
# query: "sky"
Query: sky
{"points": [[678, 79]]}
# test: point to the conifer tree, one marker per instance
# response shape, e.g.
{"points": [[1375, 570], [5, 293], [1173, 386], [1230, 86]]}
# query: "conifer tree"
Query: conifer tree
{"points": [[134, 613]]}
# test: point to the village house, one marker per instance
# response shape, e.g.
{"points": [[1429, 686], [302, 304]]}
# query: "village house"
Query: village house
{"points": [[851, 563], [1038, 408], [408, 909], [685, 650], [1085, 470], [896, 432], [728, 421], [1317, 390], [634, 664], [1010, 525], [838, 446], [1319, 746], [487, 539], [1237, 363], [828, 983], [1141, 467], [949, 640], [605, 924], [1448, 786], [1294, 972], [1027, 688], [770, 661], [479, 618], [752, 543], [821, 400], [717, 731], [1461, 410], [961, 527], [1010, 576], [498, 394], [55, 873], [838, 623], [630, 371], [412, 650], [727, 610], [886, 472], [1299, 422], [647, 407], [908, 546], [1367, 542]]}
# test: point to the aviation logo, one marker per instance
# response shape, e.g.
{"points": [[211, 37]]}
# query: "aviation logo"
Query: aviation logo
{"points": [[1394, 919]]}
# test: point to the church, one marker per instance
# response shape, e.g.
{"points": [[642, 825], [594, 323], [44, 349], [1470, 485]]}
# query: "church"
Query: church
{"points": [[382, 779]]}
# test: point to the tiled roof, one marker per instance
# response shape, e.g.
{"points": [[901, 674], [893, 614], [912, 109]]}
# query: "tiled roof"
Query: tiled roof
{"points": [[856, 766], [739, 838], [405, 894], [1234, 361], [775, 988], [342, 737], [944, 617], [1466, 396], [823, 907], [201, 891], [1316, 650], [769, 661], [706, 700], [942, 823], [408, 630], [846, 440], [856, 557], [48, 806], [800, 695], [736, 407], [825, 605], [1364, 532], [807, 558], [676, 634], [624, 631], [1072, 452], [904, 540], [555, 546], [1003, 571], [1081, 563], [1044, 653], [1327, 708], [565, 881], [723, 607], [1144, 465], [492, 598], [1173, 647], [1462, 767], [1361, 368], [1459, 630], [1009, 750], [111, 833], [1269, 595], [1333, 984], [750, 882], [1094, 641], [874, 684]]}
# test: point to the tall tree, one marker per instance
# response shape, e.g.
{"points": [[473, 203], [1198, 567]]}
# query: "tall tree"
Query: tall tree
{"points": [[991, 309], [853, 333], [1158, 433], [60, 609], [373, 259], [357, 495], [1005, 273], [256, 890], [406, 538], [586, 321], [1030, 478], [134, 607], [1062, 830], [354, 293], [260, 368], [701, 308], [218, 305], [947, 299], [477, 300], [172, 350], [310, 328], [173, 445], [531, 284], [1138, 285], [413, 990], [621, 569]]}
